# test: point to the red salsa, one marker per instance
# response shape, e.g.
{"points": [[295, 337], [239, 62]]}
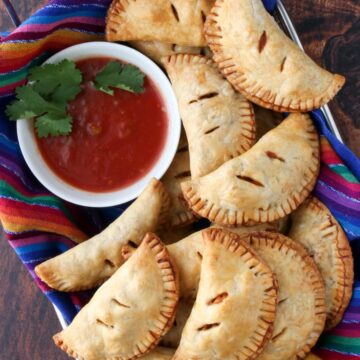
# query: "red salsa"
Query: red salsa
{"points": [[115, 140]]}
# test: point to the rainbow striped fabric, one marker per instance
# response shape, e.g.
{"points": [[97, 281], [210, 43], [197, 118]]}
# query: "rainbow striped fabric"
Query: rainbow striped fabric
{"points": [[39, 225]]}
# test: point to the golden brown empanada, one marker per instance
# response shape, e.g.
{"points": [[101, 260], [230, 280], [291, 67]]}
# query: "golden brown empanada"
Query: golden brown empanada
{"points": [[218, 121], [264, 184], [187, 256], [262, 62], [172, 338], [130, 312], [318, 231], [235, 306], [90, 263], [156, 50], [179, 171], [301, 311], [173, 21]]}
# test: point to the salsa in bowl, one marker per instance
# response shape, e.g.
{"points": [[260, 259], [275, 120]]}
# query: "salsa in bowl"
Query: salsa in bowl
{"points": [[119, 139]]}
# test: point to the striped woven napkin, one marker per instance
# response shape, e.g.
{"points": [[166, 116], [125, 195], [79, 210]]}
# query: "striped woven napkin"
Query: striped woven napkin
{"points": [[38, 225]]}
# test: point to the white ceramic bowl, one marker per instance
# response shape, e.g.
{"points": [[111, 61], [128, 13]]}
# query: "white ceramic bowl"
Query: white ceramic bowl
{"points": [[31, 153]]}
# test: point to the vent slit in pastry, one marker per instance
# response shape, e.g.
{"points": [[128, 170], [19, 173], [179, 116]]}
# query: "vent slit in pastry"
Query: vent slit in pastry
{"points": [[225, 269], [262, 41], [102, 323], [317, 230], [212, 130], [273, 155], [206, 100], [282, 66], [198, 253], [302, 315], [219, 298], [174, 11], [203, 16], [82, 267], [117, 302], [208, 95], [104, 330], [250, 180], [204, 97], [208, 326], [169, 21], [282, 301], [282, 332], [226, 199], [183, 174], [250, 47], [109, 263]]}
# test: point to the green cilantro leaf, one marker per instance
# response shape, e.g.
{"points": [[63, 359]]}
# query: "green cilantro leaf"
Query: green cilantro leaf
{"points": [[45, 98], [60, 81], [126, 77], [48, 124], [30, 104]]}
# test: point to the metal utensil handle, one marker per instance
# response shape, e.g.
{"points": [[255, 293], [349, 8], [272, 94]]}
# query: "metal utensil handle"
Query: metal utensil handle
{"points": [[289, 27]]}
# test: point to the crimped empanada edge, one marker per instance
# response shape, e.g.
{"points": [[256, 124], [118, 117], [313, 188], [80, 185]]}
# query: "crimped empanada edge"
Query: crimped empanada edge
{"points": [[309, 267], [170, 278], [256, 92], [345, 273], [228, 217], [247, 118], [233, 243]]}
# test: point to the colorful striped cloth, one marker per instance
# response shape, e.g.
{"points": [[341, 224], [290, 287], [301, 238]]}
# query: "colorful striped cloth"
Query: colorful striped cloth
{"points": [[39, 225]]}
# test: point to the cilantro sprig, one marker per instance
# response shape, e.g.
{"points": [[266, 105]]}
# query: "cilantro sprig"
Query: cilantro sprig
{"points": [[45, 97], [51, 87], [122, 76]]}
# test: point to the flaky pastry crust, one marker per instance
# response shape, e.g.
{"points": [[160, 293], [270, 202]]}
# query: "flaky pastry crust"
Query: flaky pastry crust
{"points": [[90, 263], [317, 230], [265, 183], [219, 122], [130, 312], [262, 62], [177, 21], [235, 306], [301, 311]]}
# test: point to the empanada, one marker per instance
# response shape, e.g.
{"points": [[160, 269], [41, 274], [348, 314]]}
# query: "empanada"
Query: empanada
{"points": [[179, 171], [318, 231], [187, 256], [129, 313], [173, 21], [218, 121], [156, 50], [90, 263], [301, 311], [235, 306], [172, 338], [264, 184], [262, 62]]}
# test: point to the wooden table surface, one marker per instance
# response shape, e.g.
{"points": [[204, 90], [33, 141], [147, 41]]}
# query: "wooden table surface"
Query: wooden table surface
{"points": [[330, 32]]}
